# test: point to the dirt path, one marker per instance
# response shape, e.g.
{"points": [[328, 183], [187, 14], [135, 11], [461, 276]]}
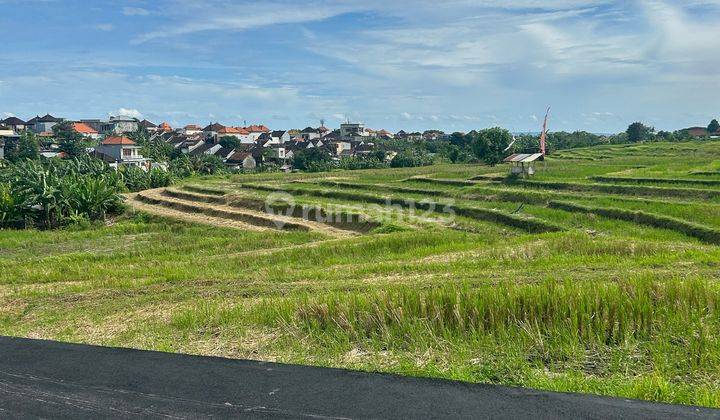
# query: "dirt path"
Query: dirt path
{"points": [[162, 211], [225, 215]]}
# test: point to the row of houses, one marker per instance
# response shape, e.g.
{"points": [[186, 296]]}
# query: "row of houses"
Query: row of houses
{"points": [[277, 147], [253, 145]]}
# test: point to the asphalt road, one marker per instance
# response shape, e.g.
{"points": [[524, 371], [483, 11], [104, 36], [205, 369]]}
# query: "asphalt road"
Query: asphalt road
{"points": [[57, 380]]}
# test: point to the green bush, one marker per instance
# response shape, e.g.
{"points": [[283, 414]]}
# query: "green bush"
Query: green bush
{"points": [[411, 158], [160, 178], [53, 193], [135, 179], [354, 163], [312, 160]]}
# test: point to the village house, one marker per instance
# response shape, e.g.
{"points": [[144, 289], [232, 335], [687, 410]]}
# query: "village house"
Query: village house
{"points": [[701, 132], [224, 153], [86, 131], [280, 137], [120, 125], [95, 124], [239, 133], [149, 126], [189, 144], [402, 135], [240, 159], [340, 147], [15, 123], [192, 129], [353, 131], [122, 151], [6, 133], [384, 134], [277, 152], [205, 148], [165, 127], [213, 129], [255, 131], [310, 133], [43, 124]]}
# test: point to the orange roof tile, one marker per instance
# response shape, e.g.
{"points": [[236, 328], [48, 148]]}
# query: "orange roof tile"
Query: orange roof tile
{"points": [[83, 128], [118, 140], [229, 130], [165, 127], [258, 129]]}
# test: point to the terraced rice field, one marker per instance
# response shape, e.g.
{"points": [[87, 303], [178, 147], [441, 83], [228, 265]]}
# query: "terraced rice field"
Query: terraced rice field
{"points": [[601, 274]]}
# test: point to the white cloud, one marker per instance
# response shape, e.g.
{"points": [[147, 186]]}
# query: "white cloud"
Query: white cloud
{"points": [[228, 17], [135, 11], [125, 112], [106, 27], [415, 63]]}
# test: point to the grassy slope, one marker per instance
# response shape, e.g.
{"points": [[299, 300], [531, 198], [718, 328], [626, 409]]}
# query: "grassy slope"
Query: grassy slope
{"points": [[607, 306]]}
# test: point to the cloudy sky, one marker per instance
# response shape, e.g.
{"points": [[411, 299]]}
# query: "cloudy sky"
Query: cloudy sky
{"points": [[451, 64]]}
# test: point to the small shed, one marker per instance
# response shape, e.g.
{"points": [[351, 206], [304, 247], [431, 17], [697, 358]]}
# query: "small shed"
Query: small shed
{"points": [[523, 163]]}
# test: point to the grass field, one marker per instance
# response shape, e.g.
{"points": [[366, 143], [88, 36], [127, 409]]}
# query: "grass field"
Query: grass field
{"points": [[599, 275]]}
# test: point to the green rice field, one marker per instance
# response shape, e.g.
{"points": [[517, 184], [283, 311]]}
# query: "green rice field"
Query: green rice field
{"points": [[601, 274]]}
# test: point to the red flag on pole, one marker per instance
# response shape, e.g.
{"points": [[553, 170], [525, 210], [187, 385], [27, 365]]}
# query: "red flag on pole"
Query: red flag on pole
{"points": [[543, 135]]}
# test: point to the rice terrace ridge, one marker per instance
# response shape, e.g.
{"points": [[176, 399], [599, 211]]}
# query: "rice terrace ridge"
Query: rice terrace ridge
{"points": [[359, 209]]}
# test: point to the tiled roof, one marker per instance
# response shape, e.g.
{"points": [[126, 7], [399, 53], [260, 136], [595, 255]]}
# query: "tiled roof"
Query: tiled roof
{"points": [[147, 124], [257, 129], [214, 127], [229, 130], [13, 121], [83, 128], [238, 156], [118, 140], [48, 118]]}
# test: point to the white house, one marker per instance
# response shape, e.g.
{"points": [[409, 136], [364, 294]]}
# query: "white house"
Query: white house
{"points": [[124, 151], [278, 151], [280, 137], [310, 133], [341, 146], [255, 131]]}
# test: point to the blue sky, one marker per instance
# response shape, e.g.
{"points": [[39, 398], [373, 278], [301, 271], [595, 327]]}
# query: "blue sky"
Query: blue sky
{"points": [[453, 65]]}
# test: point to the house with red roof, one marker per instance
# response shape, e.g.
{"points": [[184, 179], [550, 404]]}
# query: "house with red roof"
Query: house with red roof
{"points": [[85, 130], [255, 131], [241, 134], [119, 151]]}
